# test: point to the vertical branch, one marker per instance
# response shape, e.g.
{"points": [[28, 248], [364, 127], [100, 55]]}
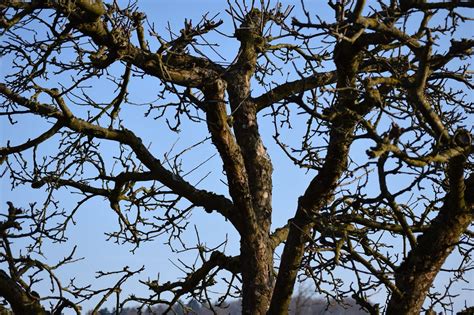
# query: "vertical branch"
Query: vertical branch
{"points": [[321, 189]]}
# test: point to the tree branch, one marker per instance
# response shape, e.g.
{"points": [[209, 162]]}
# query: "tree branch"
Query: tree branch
{"points": [[202, 198], [288, 89]]}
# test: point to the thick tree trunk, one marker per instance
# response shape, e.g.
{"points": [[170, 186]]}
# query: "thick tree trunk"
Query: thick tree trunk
{"points": [[249, 172], [256, 250], [257, 272]]}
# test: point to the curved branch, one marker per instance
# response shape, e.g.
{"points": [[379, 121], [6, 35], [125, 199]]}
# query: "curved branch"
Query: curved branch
{"points": [[33, 142], [208, 200]]}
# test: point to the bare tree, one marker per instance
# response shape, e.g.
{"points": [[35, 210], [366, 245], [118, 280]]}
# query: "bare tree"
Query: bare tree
{"points": [[378, 77]]}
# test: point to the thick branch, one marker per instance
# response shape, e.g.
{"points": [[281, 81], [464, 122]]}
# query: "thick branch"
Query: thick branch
{"points": [[321, 188], [86, 17], [417, 272], [20, 301]]}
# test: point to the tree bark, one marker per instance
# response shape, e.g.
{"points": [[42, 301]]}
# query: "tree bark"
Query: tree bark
{"points": [[257, 272], [255, 244]]}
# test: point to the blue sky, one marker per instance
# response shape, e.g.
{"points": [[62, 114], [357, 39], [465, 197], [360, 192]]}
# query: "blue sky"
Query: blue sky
{"points": [[95, 217]]}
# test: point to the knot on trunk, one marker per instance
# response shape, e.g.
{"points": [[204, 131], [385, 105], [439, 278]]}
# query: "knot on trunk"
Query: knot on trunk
{"points": [[250, 31]]}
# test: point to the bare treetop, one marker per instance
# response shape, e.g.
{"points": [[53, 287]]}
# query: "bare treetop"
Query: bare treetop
{"points": [[373, 102]]}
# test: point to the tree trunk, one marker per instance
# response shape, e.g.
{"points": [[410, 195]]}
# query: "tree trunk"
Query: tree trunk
{"points": [[256, 250], [257, 272]]}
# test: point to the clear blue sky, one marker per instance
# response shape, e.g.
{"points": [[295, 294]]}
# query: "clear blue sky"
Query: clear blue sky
{"points": [[95, 217]]}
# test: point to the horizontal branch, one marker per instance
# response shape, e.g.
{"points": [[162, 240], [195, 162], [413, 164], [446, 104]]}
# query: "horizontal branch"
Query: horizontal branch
{"points": [[423, 5], [86, 17], [70, 183], [422, 161]]}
